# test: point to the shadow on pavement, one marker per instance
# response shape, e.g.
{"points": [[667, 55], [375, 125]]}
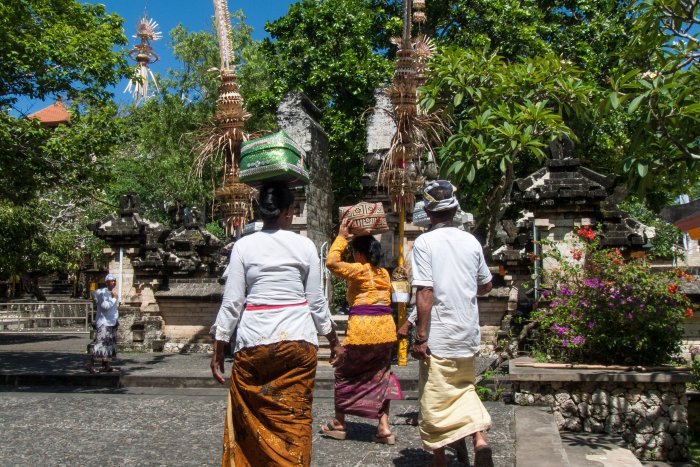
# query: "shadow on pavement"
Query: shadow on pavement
{"points": [[411, 457], [42, 362], [14, 339], [70, 363]]}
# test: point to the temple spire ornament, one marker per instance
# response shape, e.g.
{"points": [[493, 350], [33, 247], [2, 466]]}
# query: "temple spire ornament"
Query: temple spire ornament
{"points": [[400, 170], [143, 54], [222, 142]]}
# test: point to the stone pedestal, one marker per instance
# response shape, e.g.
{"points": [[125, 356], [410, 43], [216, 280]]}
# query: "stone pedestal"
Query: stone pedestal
{"points": [[492, 310], [138, 331], [648, 409], [188, 308]]}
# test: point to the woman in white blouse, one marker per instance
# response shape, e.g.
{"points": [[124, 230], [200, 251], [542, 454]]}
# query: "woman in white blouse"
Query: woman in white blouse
{"points": [[274, 299]]}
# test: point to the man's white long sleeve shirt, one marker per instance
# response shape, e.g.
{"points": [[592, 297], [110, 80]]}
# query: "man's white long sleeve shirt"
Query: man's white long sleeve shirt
{"points": [[107, 313]]}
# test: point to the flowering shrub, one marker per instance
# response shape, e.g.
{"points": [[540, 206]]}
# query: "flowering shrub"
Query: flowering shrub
{"points": [[603, 308]]}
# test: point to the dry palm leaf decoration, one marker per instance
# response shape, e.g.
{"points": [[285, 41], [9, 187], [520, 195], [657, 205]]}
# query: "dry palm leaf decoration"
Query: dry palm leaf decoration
{"points": [[416, 129], [222, 141], [143, 54]]}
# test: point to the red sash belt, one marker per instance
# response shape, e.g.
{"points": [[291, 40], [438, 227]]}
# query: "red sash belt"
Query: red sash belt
{"points": [[274, 307]]}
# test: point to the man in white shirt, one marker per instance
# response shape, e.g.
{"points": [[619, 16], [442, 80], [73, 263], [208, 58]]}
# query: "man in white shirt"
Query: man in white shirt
{"points": [[449, 271], [106, 322]]}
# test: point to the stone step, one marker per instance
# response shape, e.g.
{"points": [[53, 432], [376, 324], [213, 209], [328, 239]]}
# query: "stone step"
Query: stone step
{"points": [[539, 443], [55, 286], [341, 323], [605, 450]]}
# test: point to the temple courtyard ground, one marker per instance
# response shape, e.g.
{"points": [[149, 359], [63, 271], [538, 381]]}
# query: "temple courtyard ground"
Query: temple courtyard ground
{"points": [[165, 409]]}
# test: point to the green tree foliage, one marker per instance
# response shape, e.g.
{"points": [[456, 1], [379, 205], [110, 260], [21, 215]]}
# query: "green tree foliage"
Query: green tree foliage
{"points": [[658, 88], [155, 158], [161, 136], [635, 62], [591, 33], [36, 158], [50, 49], [505, 113], [58, 47], [329, 50]]}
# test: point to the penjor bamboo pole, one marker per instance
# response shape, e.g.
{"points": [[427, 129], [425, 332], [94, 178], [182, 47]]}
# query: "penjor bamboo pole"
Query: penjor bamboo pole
{"points": [[402, 353]]}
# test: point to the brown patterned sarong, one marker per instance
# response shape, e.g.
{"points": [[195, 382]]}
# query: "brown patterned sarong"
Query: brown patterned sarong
{"points": [[268, 418], [364, 384]]}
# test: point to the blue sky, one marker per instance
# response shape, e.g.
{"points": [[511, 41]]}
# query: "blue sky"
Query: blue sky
{"points": [[195, 15]]}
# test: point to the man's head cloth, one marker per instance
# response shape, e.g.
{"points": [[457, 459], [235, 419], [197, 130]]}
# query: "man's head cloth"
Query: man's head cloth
{"points": [[440, 196]]}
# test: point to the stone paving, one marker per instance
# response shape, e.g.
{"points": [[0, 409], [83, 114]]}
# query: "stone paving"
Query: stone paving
{"points": [[170, 426], [61, 359], [184, 427]]}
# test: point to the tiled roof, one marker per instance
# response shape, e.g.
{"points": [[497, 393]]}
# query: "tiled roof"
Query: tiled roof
{"points": [[52, 115]]}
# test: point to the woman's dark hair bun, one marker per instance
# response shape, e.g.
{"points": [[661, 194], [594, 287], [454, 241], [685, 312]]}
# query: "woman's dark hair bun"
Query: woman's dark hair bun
{"points": [[274, 198], [370, 247]]}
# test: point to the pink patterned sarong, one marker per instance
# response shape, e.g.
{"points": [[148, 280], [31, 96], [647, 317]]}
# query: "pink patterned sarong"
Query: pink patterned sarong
{"points": [[364, 384]]}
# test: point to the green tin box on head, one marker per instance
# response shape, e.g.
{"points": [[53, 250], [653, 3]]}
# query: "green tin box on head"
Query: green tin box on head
{"points": [[274, 157]]}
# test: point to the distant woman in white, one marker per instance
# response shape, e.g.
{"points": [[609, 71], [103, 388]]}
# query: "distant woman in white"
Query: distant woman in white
{"points": [[106, 318]]}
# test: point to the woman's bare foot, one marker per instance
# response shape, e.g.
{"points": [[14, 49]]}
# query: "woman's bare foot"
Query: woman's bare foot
{"points": [[383, 429], [336, 425], [483, 456]]}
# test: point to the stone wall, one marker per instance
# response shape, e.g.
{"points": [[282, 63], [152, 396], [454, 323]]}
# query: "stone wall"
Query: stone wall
{"points": [[188, 308], [138, 331], [651, 417], [298, 117], [649, 410], [493, 308]]}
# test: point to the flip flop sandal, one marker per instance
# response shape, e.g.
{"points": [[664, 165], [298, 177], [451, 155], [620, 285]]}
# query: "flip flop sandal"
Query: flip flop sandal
{"points": [[483, 457], [390, 439], [91, 369], [332, 432]]}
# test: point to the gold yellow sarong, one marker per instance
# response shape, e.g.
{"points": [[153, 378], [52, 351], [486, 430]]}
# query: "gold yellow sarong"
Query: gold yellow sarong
{"points": [[450, 408], [268, 417]]}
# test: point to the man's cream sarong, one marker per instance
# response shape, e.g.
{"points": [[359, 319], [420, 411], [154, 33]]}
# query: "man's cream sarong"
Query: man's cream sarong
{"points": [[450, 408]]}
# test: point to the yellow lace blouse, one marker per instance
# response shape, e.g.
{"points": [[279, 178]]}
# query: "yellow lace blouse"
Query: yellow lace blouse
{"points": [[367, 285]]}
